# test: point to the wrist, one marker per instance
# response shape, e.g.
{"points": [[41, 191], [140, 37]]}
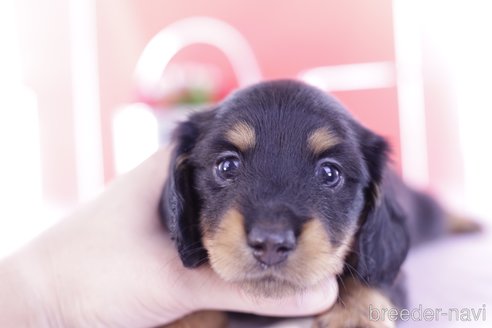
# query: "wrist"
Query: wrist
{"points": [[21, 303]]}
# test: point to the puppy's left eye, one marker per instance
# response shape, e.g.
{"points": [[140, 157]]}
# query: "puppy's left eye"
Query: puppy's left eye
{"points": [[329, 174], [226, 168]]}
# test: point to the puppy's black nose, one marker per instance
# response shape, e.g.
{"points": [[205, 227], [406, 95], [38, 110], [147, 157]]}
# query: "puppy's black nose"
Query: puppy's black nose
{"points": [[271, 247]]}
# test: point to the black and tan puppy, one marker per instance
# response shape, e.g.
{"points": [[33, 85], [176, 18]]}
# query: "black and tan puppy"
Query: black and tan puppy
{"points": [[279, 187]]}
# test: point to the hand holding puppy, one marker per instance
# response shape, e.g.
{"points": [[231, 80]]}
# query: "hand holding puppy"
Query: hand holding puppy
{"points": [[112, 264]]}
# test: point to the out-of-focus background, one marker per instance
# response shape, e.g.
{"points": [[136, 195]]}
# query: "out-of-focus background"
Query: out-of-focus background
{"points": [[88, 88]]}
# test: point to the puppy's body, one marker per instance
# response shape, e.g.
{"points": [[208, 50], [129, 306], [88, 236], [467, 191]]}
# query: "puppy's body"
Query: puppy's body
{"points": [[278, 187]]}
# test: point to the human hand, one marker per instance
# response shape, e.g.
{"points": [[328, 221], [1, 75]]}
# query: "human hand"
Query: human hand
{"points": [[112, 264]]}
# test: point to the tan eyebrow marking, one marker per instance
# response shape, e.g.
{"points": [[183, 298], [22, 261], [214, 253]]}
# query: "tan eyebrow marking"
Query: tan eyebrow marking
{"points": [[321, 140], [242, 135]]}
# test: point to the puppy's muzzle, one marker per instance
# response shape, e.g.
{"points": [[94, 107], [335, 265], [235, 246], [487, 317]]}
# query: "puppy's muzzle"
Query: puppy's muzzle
{"points": [[272, 245], [272, 231]]}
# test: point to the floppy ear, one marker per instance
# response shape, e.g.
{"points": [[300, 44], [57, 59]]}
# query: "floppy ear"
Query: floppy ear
{"points": [[382, 241], [180, 205]]}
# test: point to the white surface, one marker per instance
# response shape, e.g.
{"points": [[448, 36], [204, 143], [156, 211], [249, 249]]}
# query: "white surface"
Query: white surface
{"points": [[359, 76], [455, 272], [135, 136], [85, 92], [411, 105], [195, 30]]}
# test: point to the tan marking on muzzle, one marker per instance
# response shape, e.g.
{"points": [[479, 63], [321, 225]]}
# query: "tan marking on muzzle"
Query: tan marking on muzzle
{"points": [[227, 247], [316, 257]]}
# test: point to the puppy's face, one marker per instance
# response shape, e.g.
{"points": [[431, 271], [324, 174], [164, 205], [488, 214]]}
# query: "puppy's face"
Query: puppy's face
{"points": [[278, 180]]}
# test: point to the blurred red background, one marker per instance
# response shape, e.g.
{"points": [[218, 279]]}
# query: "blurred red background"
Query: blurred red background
{"points": [[78, 59], [286, 39]]}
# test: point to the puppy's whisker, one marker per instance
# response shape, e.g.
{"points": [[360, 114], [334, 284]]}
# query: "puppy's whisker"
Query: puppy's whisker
{"points": [[356, 274]]}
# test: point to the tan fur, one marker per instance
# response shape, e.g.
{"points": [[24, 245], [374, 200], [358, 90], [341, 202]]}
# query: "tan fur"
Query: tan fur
{"points": [[459, 224], [202, 319], [352, 308], [227, 245], [314, 258], [180, 161], [242, 135], [321, 140]]}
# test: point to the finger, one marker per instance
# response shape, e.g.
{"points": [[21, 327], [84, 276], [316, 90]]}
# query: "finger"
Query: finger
{"points": [[217, 294]]}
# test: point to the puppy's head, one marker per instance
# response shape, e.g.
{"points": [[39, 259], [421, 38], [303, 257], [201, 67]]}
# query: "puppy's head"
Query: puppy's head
{"points": [[276, 186]]}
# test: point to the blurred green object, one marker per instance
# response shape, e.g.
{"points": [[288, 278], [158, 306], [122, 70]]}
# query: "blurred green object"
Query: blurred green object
{"points": [[195, 96]]}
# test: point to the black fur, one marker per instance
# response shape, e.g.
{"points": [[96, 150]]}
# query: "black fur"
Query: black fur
{"points": [[180, 203], [382, 241]]}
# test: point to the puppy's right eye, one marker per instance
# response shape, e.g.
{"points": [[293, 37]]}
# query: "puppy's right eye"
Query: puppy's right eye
{"points": [[329, 174], [227, 168]]}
